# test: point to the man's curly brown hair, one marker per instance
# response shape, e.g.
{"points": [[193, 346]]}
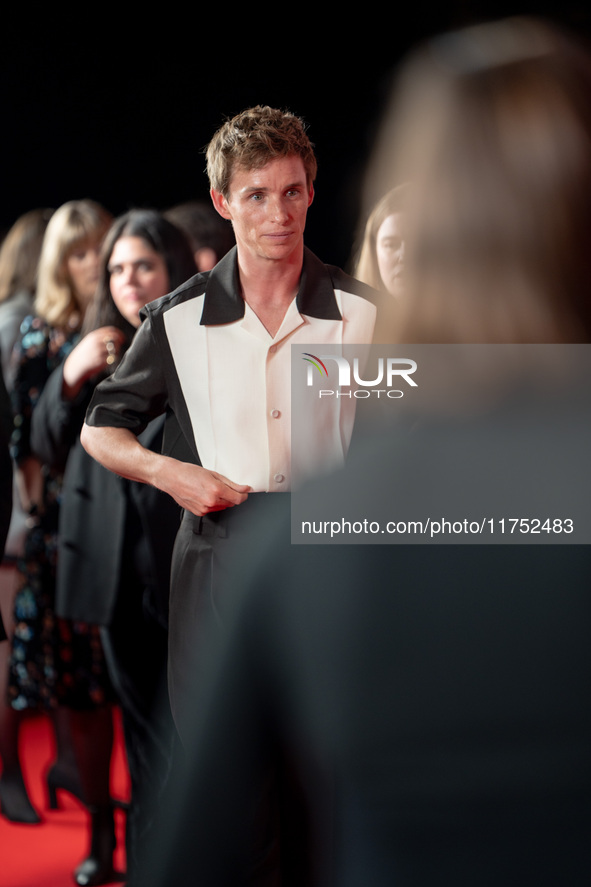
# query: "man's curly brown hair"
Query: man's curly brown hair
{"points": [[252, 139]]}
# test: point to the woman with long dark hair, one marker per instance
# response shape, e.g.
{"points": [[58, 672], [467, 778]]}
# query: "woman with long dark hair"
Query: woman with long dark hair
{"points": [[116, 537]]}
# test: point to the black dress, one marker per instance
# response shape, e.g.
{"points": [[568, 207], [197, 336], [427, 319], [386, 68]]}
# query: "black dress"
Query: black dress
{"points": [[5, 475], [53, 661]]}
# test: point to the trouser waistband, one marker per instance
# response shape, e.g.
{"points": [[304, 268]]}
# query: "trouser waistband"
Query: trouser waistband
{"points": [[220, 523]]}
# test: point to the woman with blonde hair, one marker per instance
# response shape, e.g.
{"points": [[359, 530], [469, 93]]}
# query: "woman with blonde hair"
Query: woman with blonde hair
{"points": [[380, 262], [55, 666], [68, 266]]}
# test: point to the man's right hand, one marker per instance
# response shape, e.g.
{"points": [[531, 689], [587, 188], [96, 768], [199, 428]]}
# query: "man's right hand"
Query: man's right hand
{"points": [[197, 489]]}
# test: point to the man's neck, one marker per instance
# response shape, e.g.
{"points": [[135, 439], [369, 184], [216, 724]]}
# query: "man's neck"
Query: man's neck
{"points": [[269, 287]]}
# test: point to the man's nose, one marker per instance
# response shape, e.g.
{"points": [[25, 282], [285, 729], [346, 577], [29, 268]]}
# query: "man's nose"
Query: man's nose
{"points": [[279, 209]]}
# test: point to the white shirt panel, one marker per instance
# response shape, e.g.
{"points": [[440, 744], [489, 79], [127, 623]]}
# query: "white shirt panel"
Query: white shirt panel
{"points": [[236, 381]]}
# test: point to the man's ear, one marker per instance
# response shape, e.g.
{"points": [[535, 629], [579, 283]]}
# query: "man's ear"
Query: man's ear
{"points": [[221, 204], [311, 195]]}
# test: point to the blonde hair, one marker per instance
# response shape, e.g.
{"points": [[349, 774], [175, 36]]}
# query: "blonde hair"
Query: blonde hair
{"points": [[19, 253], [72, 225], [492, 125], [366, 265]]}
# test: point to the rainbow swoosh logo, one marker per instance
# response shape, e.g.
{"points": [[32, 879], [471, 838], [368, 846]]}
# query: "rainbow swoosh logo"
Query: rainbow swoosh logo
{"points": [[315, 361]]}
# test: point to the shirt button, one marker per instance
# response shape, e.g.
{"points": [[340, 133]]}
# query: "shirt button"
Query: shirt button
{"points": [[275, 413], [279, 478]]}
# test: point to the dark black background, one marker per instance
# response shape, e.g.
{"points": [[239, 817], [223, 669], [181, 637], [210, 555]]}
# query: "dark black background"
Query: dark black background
{"points": [[117, 104]]}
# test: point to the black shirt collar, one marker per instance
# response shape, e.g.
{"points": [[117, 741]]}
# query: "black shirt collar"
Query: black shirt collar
{"points": [[224, 304]]}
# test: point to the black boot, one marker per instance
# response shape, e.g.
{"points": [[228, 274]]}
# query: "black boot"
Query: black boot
{"points": [[98, 868], [15, 803]]}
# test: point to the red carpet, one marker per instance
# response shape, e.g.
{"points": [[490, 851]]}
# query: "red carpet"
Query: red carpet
{"points": [[45, 855]]}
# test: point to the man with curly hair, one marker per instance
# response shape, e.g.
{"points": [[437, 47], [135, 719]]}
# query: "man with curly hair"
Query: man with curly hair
{"points": [[216, 355]]}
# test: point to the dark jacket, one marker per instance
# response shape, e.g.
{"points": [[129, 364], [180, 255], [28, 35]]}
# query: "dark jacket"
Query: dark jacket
{"points": [[95, 507]]}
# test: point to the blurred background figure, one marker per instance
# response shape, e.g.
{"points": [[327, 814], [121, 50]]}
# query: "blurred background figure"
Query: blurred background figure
{"points": [[116, 537], [210, 236], [5, 491], [54, 666], [380, 262], [19, 258], [380, 258], [433, 698]]}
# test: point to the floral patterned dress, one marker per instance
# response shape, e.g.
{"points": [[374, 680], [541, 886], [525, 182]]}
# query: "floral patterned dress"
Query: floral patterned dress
{"points": [[53, 661]]}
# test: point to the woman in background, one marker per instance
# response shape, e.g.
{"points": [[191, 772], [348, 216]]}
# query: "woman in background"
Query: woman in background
{"points": [[55, 666], [116, 537], [380, 260], [5, 482], [19, 258]]}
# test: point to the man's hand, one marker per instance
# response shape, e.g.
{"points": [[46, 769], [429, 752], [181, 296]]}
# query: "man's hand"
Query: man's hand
{"points": [[195, 488], [199, 490]]}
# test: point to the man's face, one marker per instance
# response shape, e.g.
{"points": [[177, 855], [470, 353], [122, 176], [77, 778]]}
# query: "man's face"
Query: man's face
{"points": [[267, 208]]}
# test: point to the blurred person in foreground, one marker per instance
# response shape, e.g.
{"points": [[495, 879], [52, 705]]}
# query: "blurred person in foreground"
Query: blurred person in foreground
{"points": [[435, 697]]}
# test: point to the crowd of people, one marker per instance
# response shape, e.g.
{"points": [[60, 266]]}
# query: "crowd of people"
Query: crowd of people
{"points": [[308, 715], [86, 556]]}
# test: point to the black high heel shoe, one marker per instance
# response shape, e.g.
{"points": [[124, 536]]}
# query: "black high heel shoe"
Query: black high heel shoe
{"points": [[15, 803], [58, 778], [98, 868]]}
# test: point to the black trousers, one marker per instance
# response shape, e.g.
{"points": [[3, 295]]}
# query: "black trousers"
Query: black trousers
{"points": [[206, 562], [206, 566], [136, 651]]}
